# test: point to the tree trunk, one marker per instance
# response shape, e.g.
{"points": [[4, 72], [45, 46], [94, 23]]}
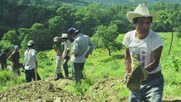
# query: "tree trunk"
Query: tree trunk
{"points": [[109, 51], [170, 44]]}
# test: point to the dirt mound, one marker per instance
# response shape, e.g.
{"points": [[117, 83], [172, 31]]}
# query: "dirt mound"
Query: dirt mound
{"points": [[108, 90], [48, 90], [40, 91]]}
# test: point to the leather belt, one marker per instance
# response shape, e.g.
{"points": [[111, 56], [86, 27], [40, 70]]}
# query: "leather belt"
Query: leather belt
{"points": [[157, 74]]}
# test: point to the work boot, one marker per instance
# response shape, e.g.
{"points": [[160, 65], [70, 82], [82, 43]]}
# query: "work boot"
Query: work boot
{"points": [[59, 75]]}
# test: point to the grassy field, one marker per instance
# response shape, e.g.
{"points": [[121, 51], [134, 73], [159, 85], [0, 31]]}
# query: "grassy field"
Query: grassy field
{"points": [[100, 66]]}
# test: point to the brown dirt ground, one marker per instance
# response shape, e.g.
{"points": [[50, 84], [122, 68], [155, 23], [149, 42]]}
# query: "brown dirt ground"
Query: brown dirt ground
{"points": [[41, 91], [49, 90]]}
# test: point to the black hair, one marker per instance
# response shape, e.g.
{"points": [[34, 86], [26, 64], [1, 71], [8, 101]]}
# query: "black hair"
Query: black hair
{"points": [[31, 46], [135, 20], [6, 50]]}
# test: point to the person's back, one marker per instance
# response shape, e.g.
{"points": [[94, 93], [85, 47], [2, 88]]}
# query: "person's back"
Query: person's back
{"points": [[83, 44], [3, 58], [15, 56], [29, 59]]}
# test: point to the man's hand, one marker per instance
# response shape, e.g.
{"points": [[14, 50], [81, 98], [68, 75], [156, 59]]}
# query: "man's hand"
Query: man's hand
{"points": [[149, 67], [87, 55], [126, 77], [75, 55]]}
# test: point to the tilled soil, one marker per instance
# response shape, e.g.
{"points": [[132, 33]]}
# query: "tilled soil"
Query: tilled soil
{"points": [[40, 91], [106, 89], [49, 90]]}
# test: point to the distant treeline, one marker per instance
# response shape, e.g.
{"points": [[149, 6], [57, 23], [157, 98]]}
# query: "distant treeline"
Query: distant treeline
{"points": [[21, 22]]}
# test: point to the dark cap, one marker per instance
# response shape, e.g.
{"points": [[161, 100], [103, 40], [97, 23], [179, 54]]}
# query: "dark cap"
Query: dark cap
{"points": [[72, 30], [6, 50]]}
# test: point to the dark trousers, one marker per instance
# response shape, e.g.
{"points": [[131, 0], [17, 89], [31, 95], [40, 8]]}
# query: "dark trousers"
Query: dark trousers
{"points": [[65, 66], [151, 91], [31, 74], [3, 66], [77, 69]]}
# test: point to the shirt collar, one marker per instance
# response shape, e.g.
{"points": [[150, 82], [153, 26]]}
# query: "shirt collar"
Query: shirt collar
{"points": [[77, 35]]}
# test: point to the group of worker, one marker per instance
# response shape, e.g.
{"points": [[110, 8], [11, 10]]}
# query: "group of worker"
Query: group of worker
{"points": [[14, 57], [62, 47]]}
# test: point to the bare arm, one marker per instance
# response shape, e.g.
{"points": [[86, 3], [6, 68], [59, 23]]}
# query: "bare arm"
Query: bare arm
{"points": [[128, 61], [127, 64], [10, 56], [156, 54]]}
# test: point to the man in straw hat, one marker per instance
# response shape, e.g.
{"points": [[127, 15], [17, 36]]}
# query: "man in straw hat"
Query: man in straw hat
{"points": [[145, 47], [66, 53], [82, 47], [30, 62]]}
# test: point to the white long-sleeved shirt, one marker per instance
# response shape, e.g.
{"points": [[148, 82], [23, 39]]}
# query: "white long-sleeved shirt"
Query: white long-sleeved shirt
{"points": [[30, 59]]}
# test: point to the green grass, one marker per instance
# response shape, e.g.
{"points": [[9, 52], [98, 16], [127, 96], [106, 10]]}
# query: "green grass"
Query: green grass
{"points": [[8, 79], [100, 66]]}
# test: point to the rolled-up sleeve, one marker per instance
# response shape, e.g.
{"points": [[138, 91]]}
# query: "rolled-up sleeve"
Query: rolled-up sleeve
{"points": [[34, 55], [75, 48], [68, 45], [91, 44]]}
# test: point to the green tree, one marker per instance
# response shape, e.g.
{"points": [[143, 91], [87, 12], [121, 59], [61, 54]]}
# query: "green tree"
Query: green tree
{"points": [[163, 22], [178, 31], [61, 22], [105, 37], [12, 37], [37, 33], [88, 18], [5, 44]]}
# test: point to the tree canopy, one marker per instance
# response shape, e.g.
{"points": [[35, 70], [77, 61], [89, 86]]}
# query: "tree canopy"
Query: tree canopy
{"points": [[22, 20]]}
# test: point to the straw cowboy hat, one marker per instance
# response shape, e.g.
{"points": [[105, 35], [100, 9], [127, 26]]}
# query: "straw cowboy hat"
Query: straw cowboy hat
{"points": [[140, 11], [64, 36]]}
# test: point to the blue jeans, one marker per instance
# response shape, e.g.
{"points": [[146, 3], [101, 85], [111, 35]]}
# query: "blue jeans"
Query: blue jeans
{"points": [[65, 66], [31, 74], [151, 91]]}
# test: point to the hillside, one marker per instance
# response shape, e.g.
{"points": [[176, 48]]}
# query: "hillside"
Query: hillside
{"points": [[132, 2], [102, 81]]}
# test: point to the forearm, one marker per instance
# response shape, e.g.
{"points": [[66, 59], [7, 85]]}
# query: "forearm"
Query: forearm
{"points": [[152, 66], [128, 65], [128, 61], [155, 59]]}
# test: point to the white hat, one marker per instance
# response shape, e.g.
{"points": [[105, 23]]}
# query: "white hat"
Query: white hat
{"points": [[31, 43], [56, 39], [64, 35], [140, 11]]}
